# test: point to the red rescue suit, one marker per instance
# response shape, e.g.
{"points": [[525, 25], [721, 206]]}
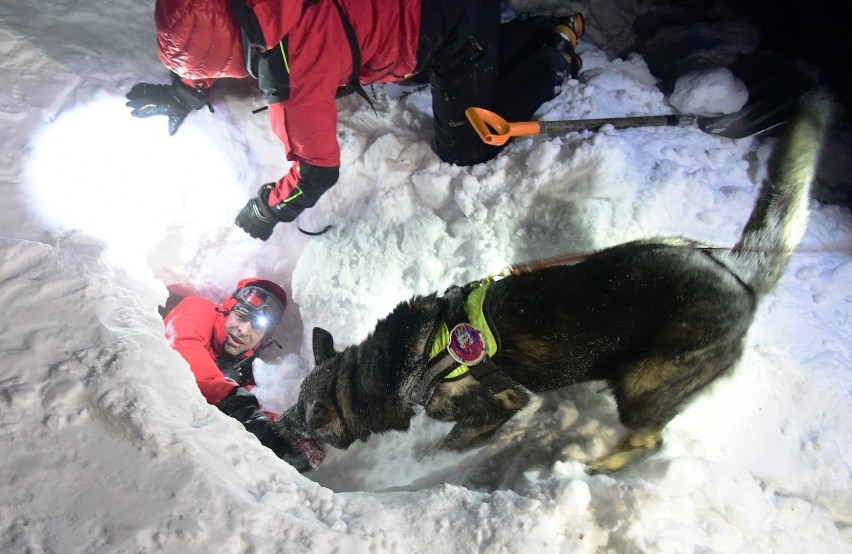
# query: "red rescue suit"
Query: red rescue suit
{"points": [[300, 53], [195, 328]]}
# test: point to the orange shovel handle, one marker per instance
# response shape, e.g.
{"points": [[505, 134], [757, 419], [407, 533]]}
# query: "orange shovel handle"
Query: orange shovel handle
{"points": [[495, 130]]}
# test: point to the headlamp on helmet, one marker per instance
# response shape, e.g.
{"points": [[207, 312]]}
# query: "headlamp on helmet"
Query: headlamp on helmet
{"points": [[260, 306]]}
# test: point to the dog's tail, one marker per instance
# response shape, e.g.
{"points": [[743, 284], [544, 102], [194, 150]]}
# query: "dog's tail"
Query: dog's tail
{"points": [[780, 216]]}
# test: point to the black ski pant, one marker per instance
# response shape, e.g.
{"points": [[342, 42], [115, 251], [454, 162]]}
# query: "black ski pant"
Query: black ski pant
{"points": [[471, 59]]}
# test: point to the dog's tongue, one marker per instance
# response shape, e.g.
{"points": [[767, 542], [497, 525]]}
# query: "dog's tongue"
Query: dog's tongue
{"points": [[312, 451]]}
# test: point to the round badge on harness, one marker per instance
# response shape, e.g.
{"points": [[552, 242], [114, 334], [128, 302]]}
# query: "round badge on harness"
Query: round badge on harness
{"points": [[467, 346]]}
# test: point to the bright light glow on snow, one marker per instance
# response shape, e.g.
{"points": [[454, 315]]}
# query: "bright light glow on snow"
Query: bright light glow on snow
{"points": [[127, 182]]}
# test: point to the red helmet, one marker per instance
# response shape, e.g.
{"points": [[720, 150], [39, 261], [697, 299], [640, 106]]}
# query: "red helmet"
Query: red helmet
{"points": [[261, 300], [199, 39]]}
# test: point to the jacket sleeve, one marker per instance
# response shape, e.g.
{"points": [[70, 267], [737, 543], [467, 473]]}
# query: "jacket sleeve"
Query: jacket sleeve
{"points": [[308, 131], [189, 330]]}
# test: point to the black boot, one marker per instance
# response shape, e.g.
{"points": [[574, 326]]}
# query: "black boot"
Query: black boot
{"points": [[575, 22], [568, 34]]}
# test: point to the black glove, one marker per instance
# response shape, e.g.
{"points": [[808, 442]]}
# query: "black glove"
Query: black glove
{"points": [[243, 406], [258, 218], [175, 101]]}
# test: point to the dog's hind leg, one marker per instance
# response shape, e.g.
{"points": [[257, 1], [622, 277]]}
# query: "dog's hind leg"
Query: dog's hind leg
{"points": [[476, 412], [651, 393]]}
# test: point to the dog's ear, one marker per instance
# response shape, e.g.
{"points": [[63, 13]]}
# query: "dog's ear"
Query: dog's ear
{"points": [[323, 345], [317, 414]]}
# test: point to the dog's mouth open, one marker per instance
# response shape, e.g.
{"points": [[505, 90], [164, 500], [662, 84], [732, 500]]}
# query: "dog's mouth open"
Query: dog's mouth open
{"points": [[312, 451]]}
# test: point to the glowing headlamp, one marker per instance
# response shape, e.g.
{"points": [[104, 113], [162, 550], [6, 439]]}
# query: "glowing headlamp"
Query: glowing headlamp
{"points": [[261, 307]]}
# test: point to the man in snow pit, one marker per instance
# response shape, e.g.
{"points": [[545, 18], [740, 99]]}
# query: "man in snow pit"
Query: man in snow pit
{"points": [[306, 53], [220, 342]]}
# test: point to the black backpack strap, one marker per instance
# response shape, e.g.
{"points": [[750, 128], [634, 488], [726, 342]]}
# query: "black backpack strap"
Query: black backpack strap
{"points": [[250, 26], [490, 376], [354, 84], [275, 76]]}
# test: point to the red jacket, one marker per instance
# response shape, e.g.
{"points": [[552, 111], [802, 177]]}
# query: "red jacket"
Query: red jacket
{"points": [[196, 329], [201, 39]]}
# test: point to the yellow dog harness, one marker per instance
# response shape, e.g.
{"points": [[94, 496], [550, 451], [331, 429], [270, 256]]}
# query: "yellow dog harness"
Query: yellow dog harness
{"points": [[473, 308]]}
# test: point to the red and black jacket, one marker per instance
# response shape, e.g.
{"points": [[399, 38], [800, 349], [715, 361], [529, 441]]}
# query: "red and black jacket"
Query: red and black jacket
{"points": [[195, 328], [300, 53]]}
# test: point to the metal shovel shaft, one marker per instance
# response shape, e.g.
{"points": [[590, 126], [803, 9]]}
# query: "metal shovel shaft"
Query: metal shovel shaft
{"points": [[774, 88], [568, 126]]}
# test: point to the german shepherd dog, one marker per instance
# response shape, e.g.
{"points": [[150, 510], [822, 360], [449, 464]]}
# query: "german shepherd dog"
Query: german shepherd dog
{"points": [[657, 320]]}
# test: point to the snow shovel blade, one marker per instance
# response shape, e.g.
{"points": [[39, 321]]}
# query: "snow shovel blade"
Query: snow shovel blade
{"points": [[761, 116]]}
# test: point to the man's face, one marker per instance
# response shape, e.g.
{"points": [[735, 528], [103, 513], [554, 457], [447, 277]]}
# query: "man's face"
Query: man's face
{"points": [[241, 336]]}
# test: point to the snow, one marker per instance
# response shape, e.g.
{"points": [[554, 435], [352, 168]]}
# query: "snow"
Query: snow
{"points": [[109, 446], [713, 92]]}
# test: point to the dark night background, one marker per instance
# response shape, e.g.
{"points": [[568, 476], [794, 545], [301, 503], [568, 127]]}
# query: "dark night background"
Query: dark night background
{"points": [[795, 44]]}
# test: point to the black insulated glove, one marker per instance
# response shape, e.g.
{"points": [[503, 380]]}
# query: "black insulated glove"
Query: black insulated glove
{"points": [[258, 218], [243, 406], [175, 101]]}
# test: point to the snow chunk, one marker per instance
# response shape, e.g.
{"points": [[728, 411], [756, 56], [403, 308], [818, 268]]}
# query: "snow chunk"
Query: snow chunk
{"points": [[712, 92]]}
